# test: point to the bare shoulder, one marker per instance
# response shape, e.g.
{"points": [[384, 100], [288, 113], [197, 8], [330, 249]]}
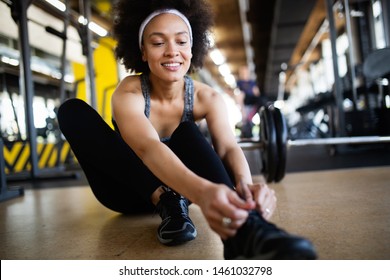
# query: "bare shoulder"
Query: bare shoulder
{"points": [[130, 84], [128, 88], [204, 91], [127, 93], [206, 99]]}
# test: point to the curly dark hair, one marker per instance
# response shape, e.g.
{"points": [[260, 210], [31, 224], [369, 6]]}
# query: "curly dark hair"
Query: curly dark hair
{"points": [[129, 14]]}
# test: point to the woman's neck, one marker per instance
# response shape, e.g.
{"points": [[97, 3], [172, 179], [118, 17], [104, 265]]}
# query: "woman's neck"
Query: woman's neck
{"points": [[164, 90]]}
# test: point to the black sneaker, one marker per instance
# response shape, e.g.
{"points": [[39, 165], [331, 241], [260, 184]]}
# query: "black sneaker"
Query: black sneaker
{"points": [[176, 226], [259, 239]]}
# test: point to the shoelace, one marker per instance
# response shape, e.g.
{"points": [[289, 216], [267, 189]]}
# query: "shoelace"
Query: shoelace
{"points": [[177, 204], [173, 204]]}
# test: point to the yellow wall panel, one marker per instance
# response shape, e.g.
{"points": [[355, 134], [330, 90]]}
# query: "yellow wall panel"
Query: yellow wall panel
{"points": [[106, 77], [106, 68]]}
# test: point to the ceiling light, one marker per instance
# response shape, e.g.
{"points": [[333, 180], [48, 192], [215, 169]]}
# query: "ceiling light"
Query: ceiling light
{"points": [[58, 4], [93, 27], [217, 57], [97, 29], [83, 20], [11, 61], [224, 70], [230, 80]]}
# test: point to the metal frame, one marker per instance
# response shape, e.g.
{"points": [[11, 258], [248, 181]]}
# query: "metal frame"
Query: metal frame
{"points": [[321, 141], [340, 141], [87, 41], [19, 14], [5, 192], [64, 48], [351, 53], [338, 91]]}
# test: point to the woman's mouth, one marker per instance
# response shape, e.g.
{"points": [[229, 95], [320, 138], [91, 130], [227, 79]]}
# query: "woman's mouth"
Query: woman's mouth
{"points": [[173, 66]]}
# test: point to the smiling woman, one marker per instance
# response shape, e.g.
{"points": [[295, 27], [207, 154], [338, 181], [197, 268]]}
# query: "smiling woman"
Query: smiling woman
{"points": [[166, 42], [199, 13], [157, 159]]}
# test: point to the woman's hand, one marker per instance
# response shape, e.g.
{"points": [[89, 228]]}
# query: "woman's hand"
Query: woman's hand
{"points": [[261, 195], [224, 210]]}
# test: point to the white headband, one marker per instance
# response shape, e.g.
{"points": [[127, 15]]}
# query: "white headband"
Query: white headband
{"points": [[157, 13]]}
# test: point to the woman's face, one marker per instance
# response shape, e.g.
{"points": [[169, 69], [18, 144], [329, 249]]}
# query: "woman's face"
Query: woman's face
{"points": [[167, 47]]}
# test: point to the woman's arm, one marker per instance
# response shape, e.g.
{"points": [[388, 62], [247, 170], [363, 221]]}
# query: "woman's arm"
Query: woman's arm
{"points": [[224, 141], [137, 131], [232, 155]]}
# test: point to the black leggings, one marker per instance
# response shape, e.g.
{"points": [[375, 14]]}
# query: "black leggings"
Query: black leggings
{"points": [[117, 176]]}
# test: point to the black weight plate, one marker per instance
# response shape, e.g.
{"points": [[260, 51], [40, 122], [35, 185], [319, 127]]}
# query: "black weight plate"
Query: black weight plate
{"points": [[269, 154], [281, 141]]}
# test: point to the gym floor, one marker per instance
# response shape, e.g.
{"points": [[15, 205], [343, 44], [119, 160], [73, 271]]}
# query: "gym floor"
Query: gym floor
{"points": [[345, 212]]}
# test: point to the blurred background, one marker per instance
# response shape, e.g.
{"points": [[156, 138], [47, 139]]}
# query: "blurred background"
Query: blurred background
{"points": [[324, 63]]}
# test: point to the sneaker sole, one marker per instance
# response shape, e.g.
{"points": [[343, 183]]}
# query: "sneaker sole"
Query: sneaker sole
{"points": [[179, 239], [290, 249], [285, 249]]}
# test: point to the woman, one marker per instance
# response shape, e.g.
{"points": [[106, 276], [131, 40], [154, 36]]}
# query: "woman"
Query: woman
{"points": [[157, 158]]}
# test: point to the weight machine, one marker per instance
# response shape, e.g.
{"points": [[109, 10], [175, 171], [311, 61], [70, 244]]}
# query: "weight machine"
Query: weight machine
{"points": [[274, 142], [18, 9]]}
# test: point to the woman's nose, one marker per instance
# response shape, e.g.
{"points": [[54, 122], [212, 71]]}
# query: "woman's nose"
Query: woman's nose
{"points": [[171, 49]]}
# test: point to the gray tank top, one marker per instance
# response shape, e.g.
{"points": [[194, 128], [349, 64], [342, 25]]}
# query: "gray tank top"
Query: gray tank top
{"points": [[188, 100]]}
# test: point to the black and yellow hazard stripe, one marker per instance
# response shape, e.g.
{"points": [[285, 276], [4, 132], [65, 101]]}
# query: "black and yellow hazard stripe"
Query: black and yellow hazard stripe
{"points": [[17, 155]]}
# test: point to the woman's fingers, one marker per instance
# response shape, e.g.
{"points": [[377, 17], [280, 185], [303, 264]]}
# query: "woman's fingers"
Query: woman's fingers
{"points": [[227, 215], [240, 202], [244, 191], [265, 200], [226, 226], [226, 211]]}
